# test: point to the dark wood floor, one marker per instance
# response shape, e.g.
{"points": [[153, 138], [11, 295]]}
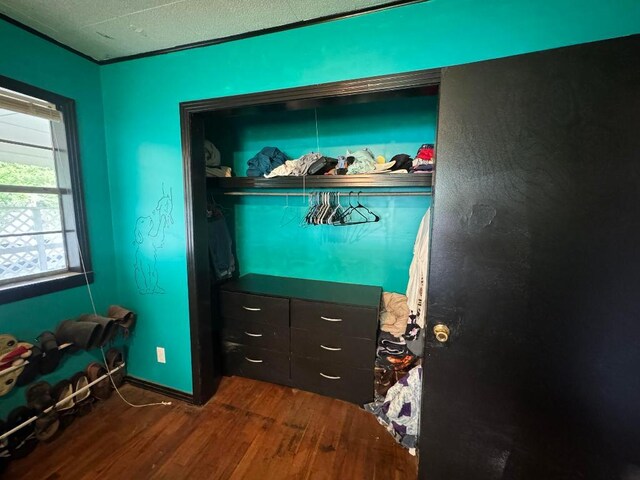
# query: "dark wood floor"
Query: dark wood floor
{"points": [[249, 430]]}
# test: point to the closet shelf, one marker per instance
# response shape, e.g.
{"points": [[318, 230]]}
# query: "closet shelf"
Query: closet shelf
{"points": [[325, 181]]}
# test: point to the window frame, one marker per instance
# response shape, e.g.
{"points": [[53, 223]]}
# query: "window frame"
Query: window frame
{"points": [[74, 215]]}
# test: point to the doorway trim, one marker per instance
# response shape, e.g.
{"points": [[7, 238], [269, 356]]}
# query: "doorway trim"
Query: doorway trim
{"points": [[205, 356]]}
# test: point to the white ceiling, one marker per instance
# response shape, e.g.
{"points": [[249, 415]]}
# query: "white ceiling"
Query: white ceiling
{"points": [[105, 29]]}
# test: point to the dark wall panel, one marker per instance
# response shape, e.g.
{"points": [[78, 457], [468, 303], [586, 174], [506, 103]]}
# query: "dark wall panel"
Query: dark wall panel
{"points": [[535, 267]]}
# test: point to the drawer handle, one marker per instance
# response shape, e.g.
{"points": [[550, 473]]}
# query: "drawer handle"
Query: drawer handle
{"points": [[252, 360], [331, 319], [253, 334], [329, 376], [251, 309], [331, 349]]}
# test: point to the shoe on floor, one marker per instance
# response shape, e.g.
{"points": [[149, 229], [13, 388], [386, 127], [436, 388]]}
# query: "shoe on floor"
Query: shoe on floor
{"points": [[102, 389]]}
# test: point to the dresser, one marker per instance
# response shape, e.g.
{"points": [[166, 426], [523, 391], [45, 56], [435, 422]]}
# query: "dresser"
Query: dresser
{"points": [[307, 334]]}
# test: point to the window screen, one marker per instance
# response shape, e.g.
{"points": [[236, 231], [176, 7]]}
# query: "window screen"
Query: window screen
{"points": [[37, 224]]}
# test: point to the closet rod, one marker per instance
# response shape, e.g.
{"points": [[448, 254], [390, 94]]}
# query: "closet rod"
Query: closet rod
{"points": [[78, 392], [345, 194]]}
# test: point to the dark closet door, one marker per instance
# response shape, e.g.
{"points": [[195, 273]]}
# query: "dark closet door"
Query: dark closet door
{"points": [[535, 269]]}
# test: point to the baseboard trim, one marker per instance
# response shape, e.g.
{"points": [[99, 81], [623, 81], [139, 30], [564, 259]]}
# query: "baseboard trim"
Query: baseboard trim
{"points": [[154, 387]]}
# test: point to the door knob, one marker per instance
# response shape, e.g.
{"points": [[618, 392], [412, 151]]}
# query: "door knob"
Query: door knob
{"points": [[441, 332]]}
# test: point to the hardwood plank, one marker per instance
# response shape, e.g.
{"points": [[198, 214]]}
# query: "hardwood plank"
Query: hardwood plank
{"points": [[324, 456], [276, 446], [249, 430], [314, 410]]}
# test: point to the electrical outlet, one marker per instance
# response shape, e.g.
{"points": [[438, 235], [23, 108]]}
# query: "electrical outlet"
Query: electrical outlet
{"points": [[160, 354]]}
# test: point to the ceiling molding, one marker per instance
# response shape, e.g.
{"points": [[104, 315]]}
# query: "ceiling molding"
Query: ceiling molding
{"points": [[35, 32], [215, 41]]}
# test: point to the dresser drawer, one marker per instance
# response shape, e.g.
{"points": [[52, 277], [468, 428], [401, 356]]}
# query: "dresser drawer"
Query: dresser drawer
{"points": [[271, 310], [257, 363], [256, 334], [337, 381], [334, 318], [328, 347]]}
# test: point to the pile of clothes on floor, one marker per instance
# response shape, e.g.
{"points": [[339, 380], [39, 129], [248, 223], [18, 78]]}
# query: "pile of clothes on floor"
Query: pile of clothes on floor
{"points": [[398, 367], [399, 342], [221, 259], [398, 371], [272, 162]]}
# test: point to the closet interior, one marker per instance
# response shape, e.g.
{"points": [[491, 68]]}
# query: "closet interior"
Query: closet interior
{"points": [[289, 261]]}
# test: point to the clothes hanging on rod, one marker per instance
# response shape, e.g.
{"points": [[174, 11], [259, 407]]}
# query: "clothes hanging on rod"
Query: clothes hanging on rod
{"points": [[418, 270], [221, 259]]}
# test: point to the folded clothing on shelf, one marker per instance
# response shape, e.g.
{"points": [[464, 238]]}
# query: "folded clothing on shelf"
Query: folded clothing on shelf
{"points": [[271, 162], [220, 171], [297, 168], [423, 162], [360, 161], [322, 165], [265, 161], [211, 154]]}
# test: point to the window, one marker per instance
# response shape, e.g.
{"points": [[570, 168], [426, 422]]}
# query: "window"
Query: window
{"points": [[43, 242]]}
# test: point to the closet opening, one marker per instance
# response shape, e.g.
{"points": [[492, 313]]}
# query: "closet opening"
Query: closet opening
{"points": [[319, 201]]}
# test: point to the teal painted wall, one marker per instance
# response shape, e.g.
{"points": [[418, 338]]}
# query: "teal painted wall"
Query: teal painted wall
{"points": [[385, 127], [375, 254], [142, 127], [371, 254], [29, 59]]}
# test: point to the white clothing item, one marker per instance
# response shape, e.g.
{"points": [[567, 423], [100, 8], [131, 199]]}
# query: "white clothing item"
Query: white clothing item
{"points": [[297, 167], [417, 286], [385, 166], [282, 170], [420, 161]]}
